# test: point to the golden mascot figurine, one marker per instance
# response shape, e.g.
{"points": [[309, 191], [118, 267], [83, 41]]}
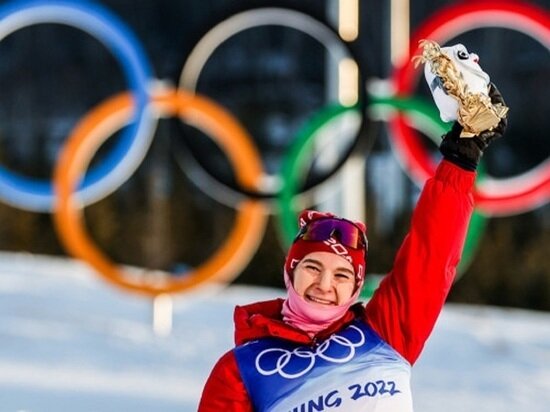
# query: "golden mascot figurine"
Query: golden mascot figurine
{"points": [[460, 87]]}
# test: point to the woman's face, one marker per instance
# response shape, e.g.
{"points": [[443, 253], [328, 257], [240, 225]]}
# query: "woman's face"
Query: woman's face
{"points": [[325, 279]]}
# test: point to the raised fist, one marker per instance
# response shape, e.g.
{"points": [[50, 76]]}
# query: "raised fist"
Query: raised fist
{"points": [[466, 152]]}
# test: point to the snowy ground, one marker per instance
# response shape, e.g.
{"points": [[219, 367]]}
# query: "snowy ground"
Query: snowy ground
{"points": [[70, 342]]}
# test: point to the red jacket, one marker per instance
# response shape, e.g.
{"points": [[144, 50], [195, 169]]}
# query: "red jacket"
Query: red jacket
{"points": [[403, 310]]}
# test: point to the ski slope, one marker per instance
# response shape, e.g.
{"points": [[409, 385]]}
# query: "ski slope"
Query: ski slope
{"points": [[71, 342]]}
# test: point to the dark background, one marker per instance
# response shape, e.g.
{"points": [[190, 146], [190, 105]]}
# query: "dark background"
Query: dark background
{"points": [[272, 79]]}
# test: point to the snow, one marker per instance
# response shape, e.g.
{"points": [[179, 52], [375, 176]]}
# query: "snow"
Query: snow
{"points": [[69, 341]]}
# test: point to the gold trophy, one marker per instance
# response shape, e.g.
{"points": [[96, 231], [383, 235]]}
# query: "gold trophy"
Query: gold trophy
{"points": [[456, 73]]}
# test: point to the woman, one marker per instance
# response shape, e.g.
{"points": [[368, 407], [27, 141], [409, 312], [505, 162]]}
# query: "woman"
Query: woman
{"points": [[318, 349]]}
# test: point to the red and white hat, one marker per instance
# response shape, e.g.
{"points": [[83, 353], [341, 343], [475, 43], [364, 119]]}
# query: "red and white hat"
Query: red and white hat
{"points": [[329, 241]]}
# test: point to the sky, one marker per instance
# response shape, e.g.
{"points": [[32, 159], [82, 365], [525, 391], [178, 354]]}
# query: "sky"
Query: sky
{"points": [[69, 341]]}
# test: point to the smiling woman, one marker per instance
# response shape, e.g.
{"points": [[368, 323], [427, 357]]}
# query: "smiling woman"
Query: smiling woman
{"points": [[324, 271], [319, 346]]}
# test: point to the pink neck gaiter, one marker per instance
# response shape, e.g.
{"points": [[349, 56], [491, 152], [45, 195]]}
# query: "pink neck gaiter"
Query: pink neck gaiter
{"points": [[310, 318]]}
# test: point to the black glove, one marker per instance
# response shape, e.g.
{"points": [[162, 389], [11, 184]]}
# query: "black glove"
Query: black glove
{"points": [[466, 152]]}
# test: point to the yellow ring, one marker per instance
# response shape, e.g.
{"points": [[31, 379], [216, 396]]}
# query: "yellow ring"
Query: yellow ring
{"points": [[102, 122]]}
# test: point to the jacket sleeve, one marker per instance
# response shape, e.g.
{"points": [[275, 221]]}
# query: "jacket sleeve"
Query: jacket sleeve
{"points": [[404, 309], [224, 390]]}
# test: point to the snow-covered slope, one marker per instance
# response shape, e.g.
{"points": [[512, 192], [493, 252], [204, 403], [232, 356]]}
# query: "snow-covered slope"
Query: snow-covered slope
{"points": [[71, 342]]}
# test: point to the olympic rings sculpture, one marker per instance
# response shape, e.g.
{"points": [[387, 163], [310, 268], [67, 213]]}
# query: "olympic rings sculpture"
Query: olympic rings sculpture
{"points": [[140, 108]]}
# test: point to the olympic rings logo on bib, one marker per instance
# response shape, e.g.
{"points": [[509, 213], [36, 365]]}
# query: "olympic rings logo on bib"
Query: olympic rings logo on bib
{"points": [[292, 364]]}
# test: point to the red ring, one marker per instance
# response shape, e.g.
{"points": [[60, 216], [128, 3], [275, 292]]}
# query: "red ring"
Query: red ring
{"points": [[446, 23]]}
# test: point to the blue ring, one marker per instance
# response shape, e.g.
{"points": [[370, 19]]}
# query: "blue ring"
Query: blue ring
{"points": [[118, 38]]}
